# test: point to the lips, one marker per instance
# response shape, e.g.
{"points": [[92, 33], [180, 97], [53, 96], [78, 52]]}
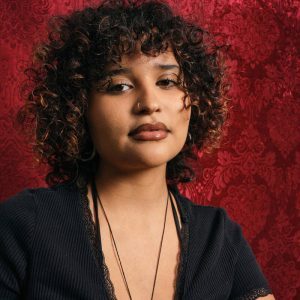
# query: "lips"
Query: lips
{"points": [[159, 126]]}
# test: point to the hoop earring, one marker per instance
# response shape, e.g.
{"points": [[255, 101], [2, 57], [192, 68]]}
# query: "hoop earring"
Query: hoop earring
{"points": [[93, 154], [190, 139]]}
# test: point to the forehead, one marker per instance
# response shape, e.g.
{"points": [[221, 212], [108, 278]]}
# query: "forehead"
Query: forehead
{"points": [[139, 58]]}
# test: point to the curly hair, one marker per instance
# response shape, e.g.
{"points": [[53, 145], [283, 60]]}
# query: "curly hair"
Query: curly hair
{"points": [[73, 58]]}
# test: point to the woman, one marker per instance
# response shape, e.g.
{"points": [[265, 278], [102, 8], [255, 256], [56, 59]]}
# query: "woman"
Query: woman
{"points": [[123, 94]]}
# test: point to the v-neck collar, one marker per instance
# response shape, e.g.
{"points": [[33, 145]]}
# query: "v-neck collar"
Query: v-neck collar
{"points": [[184, 210], [184, 206]]}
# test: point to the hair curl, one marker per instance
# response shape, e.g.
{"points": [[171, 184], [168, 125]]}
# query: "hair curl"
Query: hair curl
{"points": [[78, 48]]}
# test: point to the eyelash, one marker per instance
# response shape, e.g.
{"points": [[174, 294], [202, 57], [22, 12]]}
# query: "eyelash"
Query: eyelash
{"points": [[111, 88]]}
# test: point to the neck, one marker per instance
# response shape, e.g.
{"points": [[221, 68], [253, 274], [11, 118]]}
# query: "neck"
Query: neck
{"points": [[142, 193]]}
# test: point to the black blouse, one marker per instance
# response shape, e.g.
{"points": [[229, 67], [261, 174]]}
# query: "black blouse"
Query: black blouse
{"points": [[48, 250]]}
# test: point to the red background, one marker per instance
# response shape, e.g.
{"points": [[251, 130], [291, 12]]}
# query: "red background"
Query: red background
{"points": [[255, 174]]}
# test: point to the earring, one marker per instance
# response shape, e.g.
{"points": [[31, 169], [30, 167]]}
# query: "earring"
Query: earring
{"points": [[190, 139], [91, 156], [138, 105], [147, 107]]}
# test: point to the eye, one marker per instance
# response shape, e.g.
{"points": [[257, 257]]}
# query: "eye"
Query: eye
{"points": [[117, 88], [168, 82]]}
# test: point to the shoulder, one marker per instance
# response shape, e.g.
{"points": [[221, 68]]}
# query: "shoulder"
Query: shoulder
{"points": [[214, 224], [212, 216], [208, 213], [23, 220], [18, 212], [22, 208], [17, 228], [218, 217], [18, 208], [32, 210], [30, 194], [217, 247]]}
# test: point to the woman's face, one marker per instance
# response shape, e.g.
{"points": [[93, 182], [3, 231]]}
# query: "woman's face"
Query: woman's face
{"points": [[114, 112]]}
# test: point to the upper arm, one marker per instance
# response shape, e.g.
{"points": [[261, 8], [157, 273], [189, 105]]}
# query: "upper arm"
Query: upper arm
{"points": [[17, 223]]}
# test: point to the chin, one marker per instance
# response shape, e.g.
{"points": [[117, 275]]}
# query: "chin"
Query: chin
{"points": [[146, 161], [156, 160]]}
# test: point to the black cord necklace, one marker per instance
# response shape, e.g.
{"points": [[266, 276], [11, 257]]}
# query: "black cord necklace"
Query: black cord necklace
{"points": [[95, 196]]}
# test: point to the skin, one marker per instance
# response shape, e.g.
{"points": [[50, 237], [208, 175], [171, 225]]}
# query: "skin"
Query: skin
{"points": [[131, 176], [129, 167]]}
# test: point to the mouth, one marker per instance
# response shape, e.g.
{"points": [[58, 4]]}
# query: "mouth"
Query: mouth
{"points": [[159, 126], [150, 132], [155, 135]]}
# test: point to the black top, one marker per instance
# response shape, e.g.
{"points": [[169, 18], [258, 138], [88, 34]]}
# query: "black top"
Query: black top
{"points": [[47, 250]]}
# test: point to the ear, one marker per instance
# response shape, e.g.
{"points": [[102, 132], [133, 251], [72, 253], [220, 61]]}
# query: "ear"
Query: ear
{"points": [[186, 101]]}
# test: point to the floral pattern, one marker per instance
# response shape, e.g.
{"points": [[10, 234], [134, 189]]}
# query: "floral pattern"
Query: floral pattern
{"points": [[255, 174]]}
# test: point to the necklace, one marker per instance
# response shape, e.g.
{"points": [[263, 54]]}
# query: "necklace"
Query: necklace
{"points": [[96, 197]]}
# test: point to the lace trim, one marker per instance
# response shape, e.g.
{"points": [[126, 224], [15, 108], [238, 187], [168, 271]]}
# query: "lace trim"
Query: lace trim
{"points": [[108, 284], [87, 217], [184, 232], [91, 231], [178, 259], [181, 258], [255, 293]]}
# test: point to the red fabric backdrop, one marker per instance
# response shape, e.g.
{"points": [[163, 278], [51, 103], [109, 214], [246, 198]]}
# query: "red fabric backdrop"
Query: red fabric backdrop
{"points": [[255, 174]]}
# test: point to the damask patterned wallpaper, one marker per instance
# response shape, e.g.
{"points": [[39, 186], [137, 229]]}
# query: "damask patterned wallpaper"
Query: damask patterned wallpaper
{"points": [[255, 174]]}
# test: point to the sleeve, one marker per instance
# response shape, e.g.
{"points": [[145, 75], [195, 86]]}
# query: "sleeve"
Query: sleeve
{"points": [[249, 282], [17, 223]]}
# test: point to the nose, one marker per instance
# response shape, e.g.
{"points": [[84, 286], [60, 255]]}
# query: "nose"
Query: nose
{"points": [[147, 102]]}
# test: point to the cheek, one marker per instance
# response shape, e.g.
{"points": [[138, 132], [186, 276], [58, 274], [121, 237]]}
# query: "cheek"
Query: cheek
{"points": [[101, 117], [184, 117], [181, 125], [110, 129]]}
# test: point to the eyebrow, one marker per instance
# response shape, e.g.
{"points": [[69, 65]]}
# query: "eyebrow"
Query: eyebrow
{"points": [[128, 70]]}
